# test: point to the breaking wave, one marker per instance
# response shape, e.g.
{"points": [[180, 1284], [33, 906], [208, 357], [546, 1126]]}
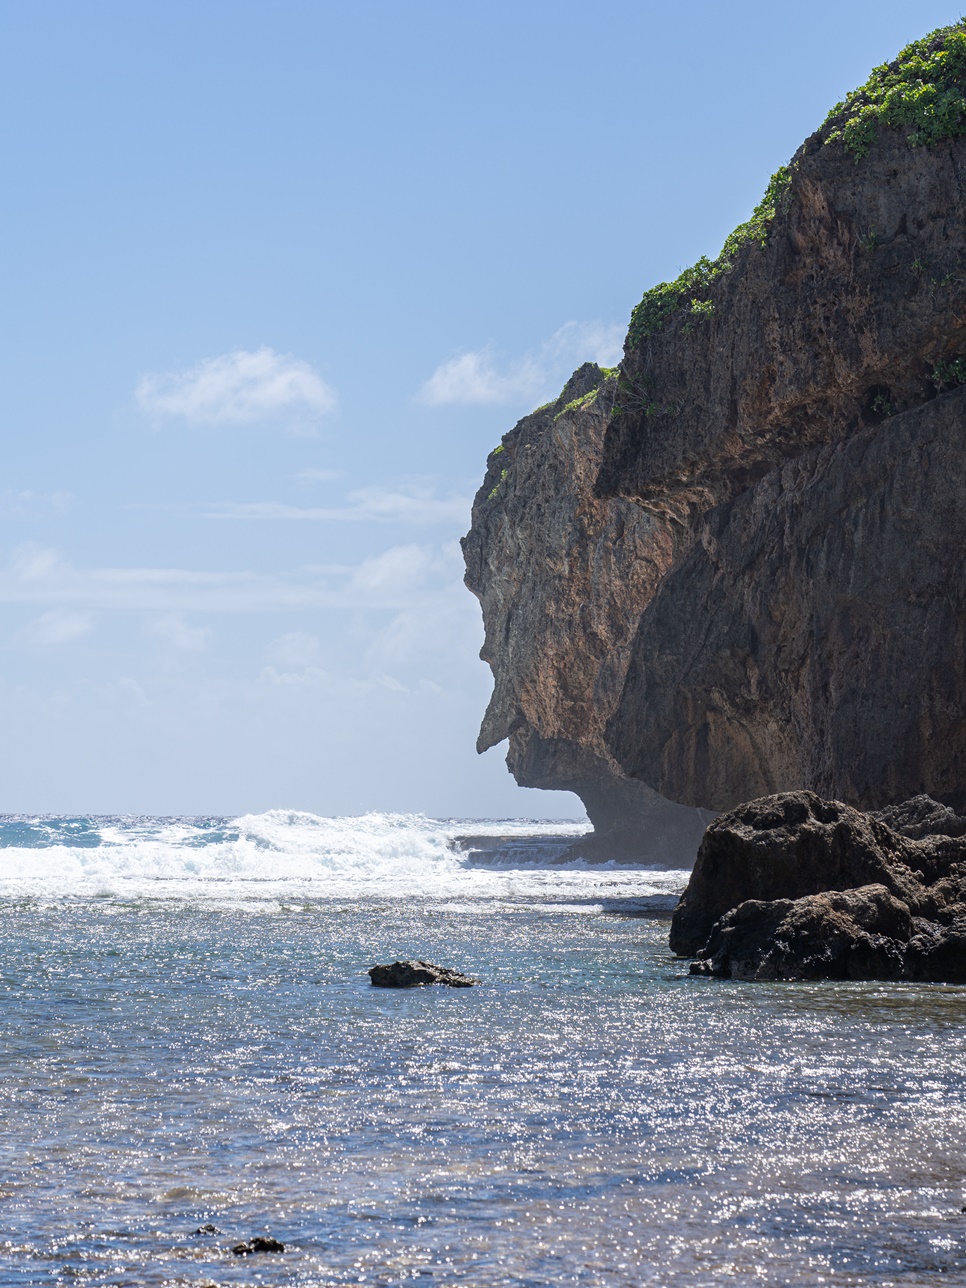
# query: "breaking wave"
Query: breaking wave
{"points": [[287, 854]]}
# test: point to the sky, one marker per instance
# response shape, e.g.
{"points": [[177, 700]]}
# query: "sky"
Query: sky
{"points": [[277, 276]]}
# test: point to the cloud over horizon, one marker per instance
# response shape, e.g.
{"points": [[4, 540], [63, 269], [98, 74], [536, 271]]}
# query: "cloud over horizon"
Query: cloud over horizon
{"points": [[413, 503], [173, 630], [237, 388], [477, 377], [28, 504], [57, 627], [400, 576]]}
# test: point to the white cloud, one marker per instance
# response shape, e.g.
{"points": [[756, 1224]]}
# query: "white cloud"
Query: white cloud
{"points": [[401, 576], [312, 475], [57, 627], [414, 504], [32, 562], [175, 631], [31, 505], [341, 684], [127, 691], [413, 635], [238, 388], [310, 676], [335, 684], [399, 569], [477, 377], [295, 648]]}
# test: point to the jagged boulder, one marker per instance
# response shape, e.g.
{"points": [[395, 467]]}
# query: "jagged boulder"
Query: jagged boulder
{"points": [[785, 847], [850, 934], [921, 816], [796, 887], [937, 952]]}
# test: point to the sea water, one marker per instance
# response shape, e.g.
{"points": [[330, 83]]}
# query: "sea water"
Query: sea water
{"points": [[189, 1038]]}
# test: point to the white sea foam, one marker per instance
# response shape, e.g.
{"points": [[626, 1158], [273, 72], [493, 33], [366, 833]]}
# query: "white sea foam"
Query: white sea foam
{"points": [[289, 855]]}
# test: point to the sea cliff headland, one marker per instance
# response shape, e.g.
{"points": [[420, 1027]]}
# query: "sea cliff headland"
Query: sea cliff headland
{"points": [[732, 566]]}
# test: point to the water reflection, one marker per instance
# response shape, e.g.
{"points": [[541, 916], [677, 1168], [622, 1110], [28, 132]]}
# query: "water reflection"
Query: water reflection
{"points": [[587, 1116]]}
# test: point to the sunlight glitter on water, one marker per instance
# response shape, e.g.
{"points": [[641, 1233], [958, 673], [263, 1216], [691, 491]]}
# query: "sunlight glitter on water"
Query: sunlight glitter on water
{"points": [[589, 1115]]}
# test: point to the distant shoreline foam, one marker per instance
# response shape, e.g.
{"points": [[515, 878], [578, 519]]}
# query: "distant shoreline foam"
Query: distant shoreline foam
{"points": [[287, 854]]}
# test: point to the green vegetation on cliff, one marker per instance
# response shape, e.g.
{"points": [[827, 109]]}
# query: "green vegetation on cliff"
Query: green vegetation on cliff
{"points": [[923, 91], [577, 404], [949, 373], [691, 288]]}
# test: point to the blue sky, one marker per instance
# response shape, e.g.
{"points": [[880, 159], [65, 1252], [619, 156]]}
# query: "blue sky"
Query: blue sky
{"points": [[277, 277]]}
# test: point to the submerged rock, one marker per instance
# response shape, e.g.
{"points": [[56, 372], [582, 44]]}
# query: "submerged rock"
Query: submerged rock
{"points": [[260, 1243], [413, 974], [796, 887]]}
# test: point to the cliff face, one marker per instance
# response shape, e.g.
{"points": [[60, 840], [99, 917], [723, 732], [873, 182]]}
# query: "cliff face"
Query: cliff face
{"points": [[834, 324], [737, 568], [815, 633], [558, 571], [811, 632]]}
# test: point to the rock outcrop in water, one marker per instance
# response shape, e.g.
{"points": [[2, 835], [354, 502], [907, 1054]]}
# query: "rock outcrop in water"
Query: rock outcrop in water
{"points": [[796, 887], [260, 1243], [733, 566], [558, 573], [414, 974]]}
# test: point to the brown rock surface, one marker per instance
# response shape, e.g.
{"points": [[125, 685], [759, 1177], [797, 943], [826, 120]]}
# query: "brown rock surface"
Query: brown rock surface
{"points": [[815, 634], [812, 629], [849, 934], [735, 567], [558, 573], [796, 887], [831, 326]]}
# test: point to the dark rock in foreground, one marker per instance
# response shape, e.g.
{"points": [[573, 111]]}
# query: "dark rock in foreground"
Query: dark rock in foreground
{"points": [[796, 887], [261, 1243], [786, 847], [413, 974]]}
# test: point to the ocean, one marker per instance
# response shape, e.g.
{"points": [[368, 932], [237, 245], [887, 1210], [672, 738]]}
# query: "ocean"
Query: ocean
{"points": [[189, 1039]]}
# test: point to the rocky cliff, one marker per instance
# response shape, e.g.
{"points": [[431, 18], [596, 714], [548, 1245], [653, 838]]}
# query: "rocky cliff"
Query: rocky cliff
{"points": [[734, 565], [558, 572]]}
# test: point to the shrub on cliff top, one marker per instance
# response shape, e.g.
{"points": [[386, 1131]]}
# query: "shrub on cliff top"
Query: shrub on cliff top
{"points": [[693, 284], [924, 88]]}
